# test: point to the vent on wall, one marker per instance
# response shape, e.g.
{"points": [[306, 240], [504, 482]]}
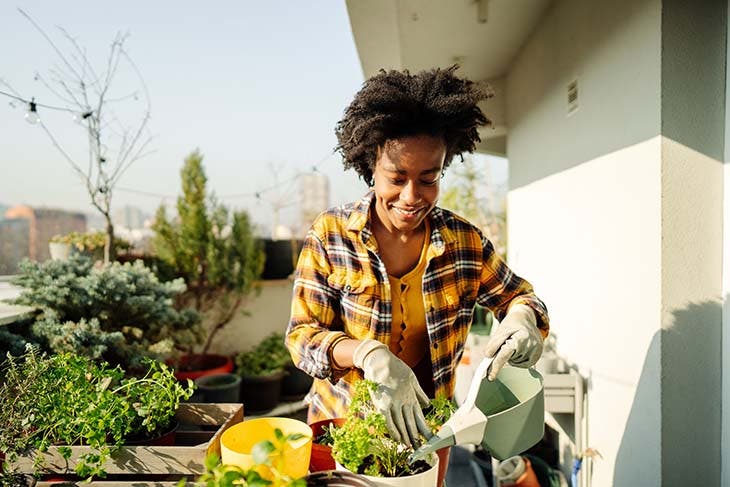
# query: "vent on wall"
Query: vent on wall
{"points": [[572, 96]]}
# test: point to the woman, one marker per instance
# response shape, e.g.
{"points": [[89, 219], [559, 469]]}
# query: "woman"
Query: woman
{"points": [[385, 287]]}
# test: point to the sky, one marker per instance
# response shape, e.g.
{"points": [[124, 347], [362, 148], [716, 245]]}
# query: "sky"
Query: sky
{"points": [[257, 87]]}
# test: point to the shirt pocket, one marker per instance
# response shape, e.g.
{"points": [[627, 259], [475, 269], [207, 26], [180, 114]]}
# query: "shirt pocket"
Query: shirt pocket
{"points": [[359, 302]]}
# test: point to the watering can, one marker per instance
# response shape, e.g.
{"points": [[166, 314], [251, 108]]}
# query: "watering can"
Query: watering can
{"points": [[506, 416]]}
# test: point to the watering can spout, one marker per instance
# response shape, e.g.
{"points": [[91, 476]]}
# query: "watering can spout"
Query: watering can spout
{"points": [[466, 425], [440, 440], [512, 405]]}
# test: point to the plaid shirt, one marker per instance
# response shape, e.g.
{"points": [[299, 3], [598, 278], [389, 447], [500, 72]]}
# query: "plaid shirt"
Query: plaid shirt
{"points": [[342, 289]]}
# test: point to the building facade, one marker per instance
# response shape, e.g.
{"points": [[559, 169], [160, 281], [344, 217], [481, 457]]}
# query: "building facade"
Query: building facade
{"points": [[613, 117]]}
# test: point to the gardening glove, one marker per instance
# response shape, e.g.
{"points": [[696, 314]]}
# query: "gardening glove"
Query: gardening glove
{"points": [[398, 396], [516, 340]]}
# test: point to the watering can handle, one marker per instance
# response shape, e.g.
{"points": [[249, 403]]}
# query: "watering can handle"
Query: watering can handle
{"points": [[476, 381]]}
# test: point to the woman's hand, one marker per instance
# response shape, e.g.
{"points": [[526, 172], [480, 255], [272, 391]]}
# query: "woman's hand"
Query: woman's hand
{"points": [[398, 396], [516, 340]]}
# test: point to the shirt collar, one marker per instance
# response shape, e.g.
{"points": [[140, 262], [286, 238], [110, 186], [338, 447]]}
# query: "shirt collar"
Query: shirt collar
{"points": [[359, 222]]}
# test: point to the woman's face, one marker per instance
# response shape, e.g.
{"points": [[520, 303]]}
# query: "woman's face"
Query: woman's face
{"points": [[406, 181]]}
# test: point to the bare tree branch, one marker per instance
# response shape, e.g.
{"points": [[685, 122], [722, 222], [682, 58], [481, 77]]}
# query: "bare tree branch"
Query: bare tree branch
{"points": [[87, 93], [53, 45]]}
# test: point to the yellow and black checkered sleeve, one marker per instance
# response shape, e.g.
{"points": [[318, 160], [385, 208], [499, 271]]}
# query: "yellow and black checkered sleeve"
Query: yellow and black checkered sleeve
{"points": [[311, 330]]}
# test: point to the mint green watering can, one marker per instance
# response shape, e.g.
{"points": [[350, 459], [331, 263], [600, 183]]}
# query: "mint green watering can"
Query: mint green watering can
{"points": [[506, 416]]}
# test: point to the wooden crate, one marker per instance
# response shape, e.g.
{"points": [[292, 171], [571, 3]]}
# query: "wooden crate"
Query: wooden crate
{"points": [[201, 426]]}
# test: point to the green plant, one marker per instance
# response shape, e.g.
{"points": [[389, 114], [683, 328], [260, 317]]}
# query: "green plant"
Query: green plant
{"points": [[362, 444], [266, 454], [326, 437], [268, 357], [117, 312], [270, 453], [212, 249], [69, 399], [439, 411], [464, 194], [274, 346], [256, 364], [89, 241]]}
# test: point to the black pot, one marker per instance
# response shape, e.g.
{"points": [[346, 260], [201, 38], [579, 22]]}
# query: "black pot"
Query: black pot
{"points": [[165, 437], [281, 258], [336, 478], [220, 387], [296, 384], [261, 393]]}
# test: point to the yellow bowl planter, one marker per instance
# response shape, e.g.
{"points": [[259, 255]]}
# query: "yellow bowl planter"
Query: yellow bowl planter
{"points": [[238, 441]]}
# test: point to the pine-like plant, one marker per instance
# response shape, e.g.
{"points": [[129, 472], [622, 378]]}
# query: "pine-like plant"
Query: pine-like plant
{"points": [[213, 249], [117, 312]]}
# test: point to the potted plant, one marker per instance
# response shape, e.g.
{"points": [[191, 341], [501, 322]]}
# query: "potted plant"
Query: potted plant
{"points": [[322, 440], [216, 254], [90, 244], [261, 370], [296, 383], [120, 313], [362, 444], [69, 399], [59, 246], [223, 387], [266, 472]]}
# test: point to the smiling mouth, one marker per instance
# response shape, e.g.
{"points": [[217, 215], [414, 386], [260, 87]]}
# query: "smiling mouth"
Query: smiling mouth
{"points": [[407, 212]]}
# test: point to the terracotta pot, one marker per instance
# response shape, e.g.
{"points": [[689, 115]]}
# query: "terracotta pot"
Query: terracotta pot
{"points": [[517, 472], [322, 454], [198, 365]]}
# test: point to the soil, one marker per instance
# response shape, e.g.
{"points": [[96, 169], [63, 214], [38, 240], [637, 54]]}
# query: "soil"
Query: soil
{"points": [[417, 467]]}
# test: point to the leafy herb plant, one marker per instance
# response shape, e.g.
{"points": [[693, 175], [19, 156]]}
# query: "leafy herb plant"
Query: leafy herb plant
{"points": [[68, 399], [362, 444]]}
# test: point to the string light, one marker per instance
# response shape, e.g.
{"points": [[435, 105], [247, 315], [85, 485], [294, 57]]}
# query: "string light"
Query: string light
{"points": [[80, 117], [31, 116]]}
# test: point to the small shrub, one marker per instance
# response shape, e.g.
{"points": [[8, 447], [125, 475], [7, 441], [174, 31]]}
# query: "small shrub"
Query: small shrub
{"points": [[117, 312]]}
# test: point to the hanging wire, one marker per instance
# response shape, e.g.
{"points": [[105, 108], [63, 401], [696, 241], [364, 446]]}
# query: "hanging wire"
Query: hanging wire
{"points": [[259, 192], [42, 105]]}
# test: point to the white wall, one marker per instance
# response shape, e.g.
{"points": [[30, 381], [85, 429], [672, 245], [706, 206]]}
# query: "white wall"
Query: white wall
{"points": [[585, 213], [269, 312], [725, 439], [615, 215], [591, 248]]}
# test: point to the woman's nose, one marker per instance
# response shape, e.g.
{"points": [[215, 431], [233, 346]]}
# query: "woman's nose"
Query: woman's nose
{"points": [[409, 193]]}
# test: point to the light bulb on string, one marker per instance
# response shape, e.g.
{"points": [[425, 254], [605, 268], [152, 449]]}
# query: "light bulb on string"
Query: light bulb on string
{"points": [[31, 116], [80, 117]]}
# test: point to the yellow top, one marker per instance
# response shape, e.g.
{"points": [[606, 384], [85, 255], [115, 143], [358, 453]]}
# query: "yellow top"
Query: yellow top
{"points": [[408, 336]]}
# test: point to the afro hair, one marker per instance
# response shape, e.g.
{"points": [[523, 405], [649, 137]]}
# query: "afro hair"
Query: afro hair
{"points": [[395, 104]]}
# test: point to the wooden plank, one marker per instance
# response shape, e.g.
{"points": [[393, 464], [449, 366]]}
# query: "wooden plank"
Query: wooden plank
{"points": [[132, 482], [183, 459]]}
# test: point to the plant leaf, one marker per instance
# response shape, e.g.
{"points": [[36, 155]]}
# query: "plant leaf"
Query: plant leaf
{"points": [[261, 452]]}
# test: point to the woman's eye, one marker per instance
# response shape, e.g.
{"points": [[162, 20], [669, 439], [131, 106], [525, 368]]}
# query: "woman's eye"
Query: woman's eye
{"points": [[430, 183], [397, 182]]}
